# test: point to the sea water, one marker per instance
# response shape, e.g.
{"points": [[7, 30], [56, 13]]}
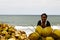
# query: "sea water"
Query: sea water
{"points": [[28, 20]]}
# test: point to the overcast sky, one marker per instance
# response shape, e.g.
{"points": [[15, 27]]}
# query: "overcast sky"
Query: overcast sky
{"points": [[29, 7]]}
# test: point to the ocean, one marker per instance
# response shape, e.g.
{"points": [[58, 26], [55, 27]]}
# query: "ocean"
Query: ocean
{"points": [[28, 20]]}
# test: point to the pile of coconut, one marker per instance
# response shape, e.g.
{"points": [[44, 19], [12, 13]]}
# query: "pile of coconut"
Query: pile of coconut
{"points": [[46, 33], [8, 32]]}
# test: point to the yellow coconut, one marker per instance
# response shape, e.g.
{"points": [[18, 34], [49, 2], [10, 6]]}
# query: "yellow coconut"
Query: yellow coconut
{"points": [[34, 36], [12, 39], [56, 32], [47, 31], [39, 30], [49, 38]]}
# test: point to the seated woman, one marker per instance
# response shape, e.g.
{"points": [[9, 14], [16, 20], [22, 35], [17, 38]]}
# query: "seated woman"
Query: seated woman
{"points": [[43, 22]]}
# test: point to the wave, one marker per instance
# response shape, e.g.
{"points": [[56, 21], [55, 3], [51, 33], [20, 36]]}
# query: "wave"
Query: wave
{"points": [[30, 29]]}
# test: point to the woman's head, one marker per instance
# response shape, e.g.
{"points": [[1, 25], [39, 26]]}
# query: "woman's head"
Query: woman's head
{"points": [[43, 17]]}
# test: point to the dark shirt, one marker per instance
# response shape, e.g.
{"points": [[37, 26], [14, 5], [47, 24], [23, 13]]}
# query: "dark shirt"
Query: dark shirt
{"points": [[47, 23]]}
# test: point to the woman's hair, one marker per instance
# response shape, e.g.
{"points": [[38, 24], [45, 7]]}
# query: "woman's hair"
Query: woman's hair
{"points": [[44, 14]]}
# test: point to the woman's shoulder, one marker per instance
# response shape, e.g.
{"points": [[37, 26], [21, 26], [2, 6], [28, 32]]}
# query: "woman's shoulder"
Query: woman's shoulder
{"points": [[39, 21], [48, 21]]}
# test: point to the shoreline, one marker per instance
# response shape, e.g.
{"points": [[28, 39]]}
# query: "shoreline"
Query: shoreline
{"points": [[31, 29]]}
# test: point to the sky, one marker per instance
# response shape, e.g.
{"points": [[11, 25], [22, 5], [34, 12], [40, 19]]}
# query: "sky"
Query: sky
{"points": [[29, 7]]}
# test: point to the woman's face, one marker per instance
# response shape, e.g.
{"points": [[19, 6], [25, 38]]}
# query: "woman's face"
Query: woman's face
{"points": [[43, 17]]}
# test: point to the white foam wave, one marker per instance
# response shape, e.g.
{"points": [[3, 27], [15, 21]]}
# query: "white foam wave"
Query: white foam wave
{"points": [[30, 29]]}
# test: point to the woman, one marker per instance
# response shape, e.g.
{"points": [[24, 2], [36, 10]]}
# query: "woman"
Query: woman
{"points": [[43, 22]]}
